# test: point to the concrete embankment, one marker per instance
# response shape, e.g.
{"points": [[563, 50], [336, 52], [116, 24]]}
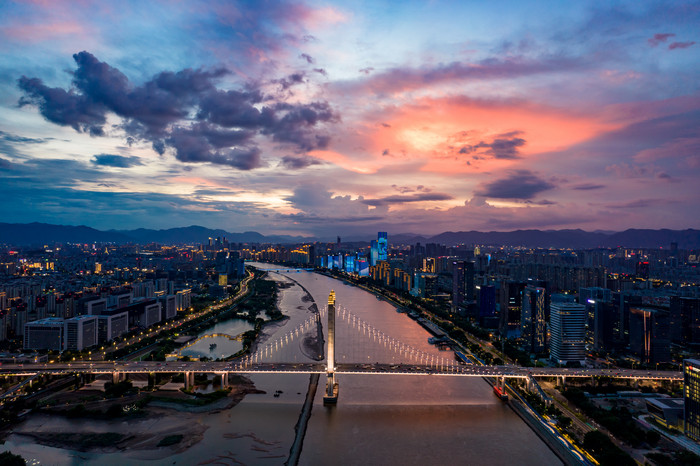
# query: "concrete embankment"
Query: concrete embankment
{"points": [[300, 428], [562, 451]]}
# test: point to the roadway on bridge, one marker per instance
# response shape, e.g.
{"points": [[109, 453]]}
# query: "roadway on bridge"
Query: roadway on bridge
{"points": [[508, 371]]}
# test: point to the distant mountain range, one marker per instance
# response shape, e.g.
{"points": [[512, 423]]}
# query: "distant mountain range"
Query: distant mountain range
{"points": [[43, 233]]}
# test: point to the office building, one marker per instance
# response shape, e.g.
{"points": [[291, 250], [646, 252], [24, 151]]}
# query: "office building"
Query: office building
{"points": [[382, 246], [45, 334], [486, 303], [533, 320], [685, 320], [510, 303], [111, 324], [168, 307], [691, 396], [568, 332], [649, 334], [81, 332]]}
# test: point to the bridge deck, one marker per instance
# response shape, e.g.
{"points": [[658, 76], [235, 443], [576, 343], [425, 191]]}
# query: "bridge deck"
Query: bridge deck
{"points": [[146, 367]]}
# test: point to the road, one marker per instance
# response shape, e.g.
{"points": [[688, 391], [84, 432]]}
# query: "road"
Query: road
{"points": [[154, 331]]}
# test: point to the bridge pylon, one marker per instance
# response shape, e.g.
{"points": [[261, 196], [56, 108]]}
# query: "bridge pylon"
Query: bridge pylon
{"points": [[331, 396]]}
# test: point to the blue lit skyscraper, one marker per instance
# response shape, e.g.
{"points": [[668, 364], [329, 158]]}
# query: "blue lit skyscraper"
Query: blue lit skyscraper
{"points": [[382, 246]]}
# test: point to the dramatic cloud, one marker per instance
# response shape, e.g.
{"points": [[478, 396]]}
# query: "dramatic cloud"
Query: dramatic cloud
{"points": [[117, 161], [564, 119], [160, 111], [422, 197], [520, 184], [505, 147], [192, 146]]}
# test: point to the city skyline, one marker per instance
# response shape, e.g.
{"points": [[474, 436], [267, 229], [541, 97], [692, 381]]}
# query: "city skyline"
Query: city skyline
{"points": [[300, 118]]}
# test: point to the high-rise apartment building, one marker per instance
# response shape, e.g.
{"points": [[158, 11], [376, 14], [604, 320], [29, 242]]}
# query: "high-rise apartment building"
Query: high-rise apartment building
{"points": [[462, 286]]}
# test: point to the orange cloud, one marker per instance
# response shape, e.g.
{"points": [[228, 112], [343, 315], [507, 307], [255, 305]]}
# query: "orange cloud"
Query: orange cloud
{"points": [[438, 129]]}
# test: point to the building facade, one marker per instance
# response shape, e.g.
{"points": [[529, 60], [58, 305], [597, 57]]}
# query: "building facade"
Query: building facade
{"points": [[568, 333]]}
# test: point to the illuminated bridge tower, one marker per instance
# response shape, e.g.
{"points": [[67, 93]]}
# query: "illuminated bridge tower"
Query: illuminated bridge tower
{"points": [[331, 396]]}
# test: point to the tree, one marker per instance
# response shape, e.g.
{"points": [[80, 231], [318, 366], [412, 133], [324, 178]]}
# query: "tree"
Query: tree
{"points": [[10, 459], [652, 437], [564, 422]]}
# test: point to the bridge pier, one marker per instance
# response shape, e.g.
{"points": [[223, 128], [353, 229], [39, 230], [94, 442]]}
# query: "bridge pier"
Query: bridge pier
{"points": [[561, 380], [116, 377], [151, 379], [224, 379], [189, 380]]}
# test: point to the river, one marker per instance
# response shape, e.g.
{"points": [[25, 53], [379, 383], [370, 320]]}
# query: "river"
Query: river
{"points": [[379, 419]]}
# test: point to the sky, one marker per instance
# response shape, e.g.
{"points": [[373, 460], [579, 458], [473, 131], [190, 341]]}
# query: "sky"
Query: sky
{"points": [[346, 118]]}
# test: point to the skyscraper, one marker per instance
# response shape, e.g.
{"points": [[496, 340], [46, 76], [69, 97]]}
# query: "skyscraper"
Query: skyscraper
{"points": [[462, 286], [510, 299], [533, 321], [649, 334], [382, 246], [568, 332]]}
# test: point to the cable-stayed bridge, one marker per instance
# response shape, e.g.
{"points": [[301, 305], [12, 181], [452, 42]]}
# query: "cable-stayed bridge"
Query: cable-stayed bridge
{"points": [[353, 347]]}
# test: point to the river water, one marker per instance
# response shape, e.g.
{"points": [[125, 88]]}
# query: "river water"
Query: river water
{"points": [[379, 419], [219, 346]]}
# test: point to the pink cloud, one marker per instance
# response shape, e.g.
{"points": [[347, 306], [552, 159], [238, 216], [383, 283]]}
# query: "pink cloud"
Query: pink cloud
{"points": [[659, 38], [42, 32], [678, 148], [680, 45]]}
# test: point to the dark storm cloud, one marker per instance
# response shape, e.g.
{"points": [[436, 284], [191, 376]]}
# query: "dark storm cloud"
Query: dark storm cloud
{"points": [[520, 184], [296, 163], [504, 147], [161, 111], [192, 146], [62, 107], [117, 161], [296, 126], [406, 199]]}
